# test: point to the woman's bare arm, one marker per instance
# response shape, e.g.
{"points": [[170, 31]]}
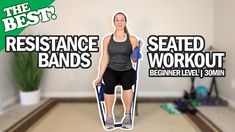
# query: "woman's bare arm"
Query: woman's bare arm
{"points": [[104, 60]]}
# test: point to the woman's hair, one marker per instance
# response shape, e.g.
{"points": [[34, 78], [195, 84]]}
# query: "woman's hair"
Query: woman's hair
{"points": [[125, 28]]}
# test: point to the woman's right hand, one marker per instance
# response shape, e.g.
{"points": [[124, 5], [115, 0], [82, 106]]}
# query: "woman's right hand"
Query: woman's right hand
{"points": [[97, 82]]}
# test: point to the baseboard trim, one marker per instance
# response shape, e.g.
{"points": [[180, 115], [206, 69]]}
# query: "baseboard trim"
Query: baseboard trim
{"points": [[9, 102], [230, 102], [68, 94], [160, 94], [1, 112], [92, 94]]}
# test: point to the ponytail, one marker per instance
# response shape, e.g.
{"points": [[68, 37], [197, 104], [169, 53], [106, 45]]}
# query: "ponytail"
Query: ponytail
{"points": [[126, 30]]}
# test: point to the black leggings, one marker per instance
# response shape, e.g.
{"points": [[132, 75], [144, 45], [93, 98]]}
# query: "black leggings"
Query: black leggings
{"points": [[112, 78]]}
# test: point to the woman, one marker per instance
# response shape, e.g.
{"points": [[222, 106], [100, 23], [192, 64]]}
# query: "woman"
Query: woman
{"points": [[116, 68]]}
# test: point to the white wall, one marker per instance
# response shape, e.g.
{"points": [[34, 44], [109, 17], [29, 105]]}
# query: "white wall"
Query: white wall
{"points": [[8, 90], [95, 17], [224, 40], [145, 18]]}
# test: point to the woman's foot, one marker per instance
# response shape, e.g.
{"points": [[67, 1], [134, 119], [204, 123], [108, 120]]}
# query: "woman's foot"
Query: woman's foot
{"points": [[109, 124], [127, 122]]}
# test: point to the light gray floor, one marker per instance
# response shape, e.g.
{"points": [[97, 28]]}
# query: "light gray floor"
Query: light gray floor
{"points": [[223, 117], [16, 112]]}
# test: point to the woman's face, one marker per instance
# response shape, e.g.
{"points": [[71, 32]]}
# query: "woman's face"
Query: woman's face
{"points": [[119, 22]]}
